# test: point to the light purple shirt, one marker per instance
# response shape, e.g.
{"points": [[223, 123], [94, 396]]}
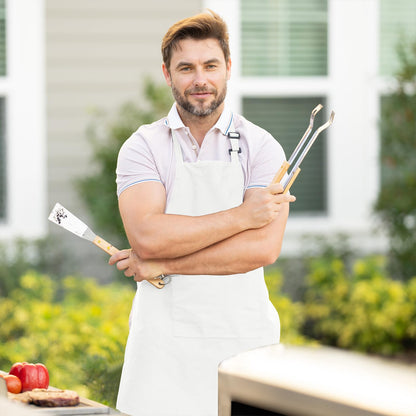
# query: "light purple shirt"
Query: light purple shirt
{"points": [[148, 154]]}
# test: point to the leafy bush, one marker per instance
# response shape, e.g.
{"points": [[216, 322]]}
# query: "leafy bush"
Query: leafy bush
{"points": [[363, 310], [79, 328], [71, 326], [98, 190], [291, 313], [396, 203]]}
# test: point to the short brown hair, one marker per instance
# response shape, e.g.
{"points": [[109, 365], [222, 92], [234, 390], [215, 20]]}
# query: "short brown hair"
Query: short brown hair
{"points": [[201, 26]]}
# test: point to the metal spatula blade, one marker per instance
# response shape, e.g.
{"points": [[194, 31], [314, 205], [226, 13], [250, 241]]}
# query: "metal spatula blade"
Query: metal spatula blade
{"points": [[65, 219]]}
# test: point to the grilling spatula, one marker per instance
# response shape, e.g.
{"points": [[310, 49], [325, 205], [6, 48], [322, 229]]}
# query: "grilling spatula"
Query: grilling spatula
{"points": [[65, 219]]}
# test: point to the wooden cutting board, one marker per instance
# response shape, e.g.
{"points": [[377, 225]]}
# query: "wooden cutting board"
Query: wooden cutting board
{"points": [[85, 406]]}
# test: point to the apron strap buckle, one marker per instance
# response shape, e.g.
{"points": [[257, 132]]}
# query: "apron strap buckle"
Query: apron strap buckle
{"points": [[235, 148]]}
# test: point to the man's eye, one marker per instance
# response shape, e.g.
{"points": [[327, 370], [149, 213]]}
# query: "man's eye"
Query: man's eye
{"points": [[185, 69]]}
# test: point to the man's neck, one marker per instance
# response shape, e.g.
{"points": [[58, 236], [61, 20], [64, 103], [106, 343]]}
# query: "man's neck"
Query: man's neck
{"points": [[199, 126]]}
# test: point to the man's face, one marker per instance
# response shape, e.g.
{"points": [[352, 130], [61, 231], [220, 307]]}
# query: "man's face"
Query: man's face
{"points": [[198, 76]]}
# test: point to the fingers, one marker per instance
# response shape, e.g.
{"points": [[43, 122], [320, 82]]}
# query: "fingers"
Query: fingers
{"points": [[126, 266], [277, 190], [287, 198], [120, 255], [126, 261]]}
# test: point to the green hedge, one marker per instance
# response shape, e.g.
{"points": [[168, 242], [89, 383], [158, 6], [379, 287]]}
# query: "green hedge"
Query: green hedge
{"points": [[363, 309]]}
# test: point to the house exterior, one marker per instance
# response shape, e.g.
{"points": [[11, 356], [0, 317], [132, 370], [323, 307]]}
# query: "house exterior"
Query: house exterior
{"points": [[60, 60]]}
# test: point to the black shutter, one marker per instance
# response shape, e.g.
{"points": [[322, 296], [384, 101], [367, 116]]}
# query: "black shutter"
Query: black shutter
{"points": [[2, 159], [287, 119], [2, 38]]}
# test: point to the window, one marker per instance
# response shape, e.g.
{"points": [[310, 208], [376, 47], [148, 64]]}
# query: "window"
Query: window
{"points": [[397, 22], [287, 39], [2, 112], [22, 132], [284, 37]]}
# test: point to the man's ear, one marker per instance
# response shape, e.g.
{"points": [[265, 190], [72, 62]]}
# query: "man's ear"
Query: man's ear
{"points": [[166, 74], [228, 69]]}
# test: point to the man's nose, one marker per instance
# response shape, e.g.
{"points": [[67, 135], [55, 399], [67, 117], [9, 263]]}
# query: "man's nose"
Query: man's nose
{"points": [[200, 78]]}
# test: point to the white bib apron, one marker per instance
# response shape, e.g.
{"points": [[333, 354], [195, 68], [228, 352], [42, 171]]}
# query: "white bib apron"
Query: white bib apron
{"points": [[180, 334]]}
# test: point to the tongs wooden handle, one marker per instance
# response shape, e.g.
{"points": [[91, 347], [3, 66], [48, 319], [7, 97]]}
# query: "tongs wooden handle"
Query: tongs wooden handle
{"points": [[295, 155]]}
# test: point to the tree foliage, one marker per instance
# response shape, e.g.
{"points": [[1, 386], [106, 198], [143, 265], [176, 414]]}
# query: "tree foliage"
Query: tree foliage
{"points": [[396, 203]]}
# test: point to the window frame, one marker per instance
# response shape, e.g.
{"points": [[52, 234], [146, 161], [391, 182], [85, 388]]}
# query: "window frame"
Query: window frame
{"points": [[24, 90]]}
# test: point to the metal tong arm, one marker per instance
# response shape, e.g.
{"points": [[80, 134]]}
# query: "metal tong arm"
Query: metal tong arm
{"points": [[296, 169], [286, 164]]}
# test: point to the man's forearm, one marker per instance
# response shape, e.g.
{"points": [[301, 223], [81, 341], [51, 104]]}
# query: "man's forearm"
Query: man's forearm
{"points": [[240, 253], [171, 236], [155, 235]]}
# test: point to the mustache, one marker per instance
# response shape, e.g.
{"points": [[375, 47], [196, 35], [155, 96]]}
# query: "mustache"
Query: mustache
{"points": [[196, 90]]}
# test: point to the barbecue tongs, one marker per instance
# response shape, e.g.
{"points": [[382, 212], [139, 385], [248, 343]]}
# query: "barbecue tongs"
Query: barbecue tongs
{"points": [[306, 145]]}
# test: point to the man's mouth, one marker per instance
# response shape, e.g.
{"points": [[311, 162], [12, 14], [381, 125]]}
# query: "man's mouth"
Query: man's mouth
{"points": [[200, 94]]}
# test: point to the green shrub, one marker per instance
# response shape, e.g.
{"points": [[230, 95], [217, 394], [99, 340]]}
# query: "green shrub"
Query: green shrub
{"points": [[70, 326], [362, 310], [291, 313]]}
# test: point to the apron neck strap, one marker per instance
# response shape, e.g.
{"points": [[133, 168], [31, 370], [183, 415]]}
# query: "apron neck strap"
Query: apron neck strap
{"points": [[234, 141], [235, 145]]}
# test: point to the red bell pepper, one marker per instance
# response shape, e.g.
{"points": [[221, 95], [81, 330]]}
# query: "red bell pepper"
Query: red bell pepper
{"points": [[32, 376]]}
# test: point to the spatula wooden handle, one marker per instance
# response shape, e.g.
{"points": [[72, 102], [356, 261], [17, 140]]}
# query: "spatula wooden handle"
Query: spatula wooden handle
{"points": [[104, 245], [110, 249]]}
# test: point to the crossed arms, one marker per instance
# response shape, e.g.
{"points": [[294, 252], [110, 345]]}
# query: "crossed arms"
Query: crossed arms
{"points": [[236, 240]]}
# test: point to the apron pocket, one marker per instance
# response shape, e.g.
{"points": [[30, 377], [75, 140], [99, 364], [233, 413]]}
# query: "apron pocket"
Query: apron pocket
{"points": [[220, 306]]}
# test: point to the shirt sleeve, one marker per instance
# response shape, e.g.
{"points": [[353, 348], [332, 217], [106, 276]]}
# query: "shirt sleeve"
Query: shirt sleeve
{"points": [[266, 161], [135, 163]]}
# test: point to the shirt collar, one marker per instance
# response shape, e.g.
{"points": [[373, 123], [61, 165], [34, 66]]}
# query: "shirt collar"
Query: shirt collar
{"points": [[173, 120], [225, 121], [223, 124]]}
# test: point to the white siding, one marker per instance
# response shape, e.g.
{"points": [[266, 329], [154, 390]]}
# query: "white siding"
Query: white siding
{"points": [[98, 52]]}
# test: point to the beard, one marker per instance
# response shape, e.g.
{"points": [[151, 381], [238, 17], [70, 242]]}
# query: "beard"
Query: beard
{"points": [[199, 109]]}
